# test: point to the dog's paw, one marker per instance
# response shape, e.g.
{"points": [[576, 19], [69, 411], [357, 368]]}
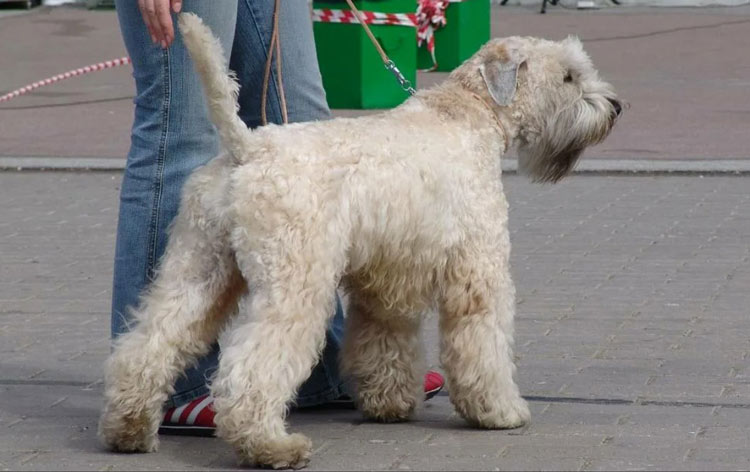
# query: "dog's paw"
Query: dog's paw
{"points": [[500, 414], [127, 433], [397, 406], [509, 415], [287, 452], [388, 412]]}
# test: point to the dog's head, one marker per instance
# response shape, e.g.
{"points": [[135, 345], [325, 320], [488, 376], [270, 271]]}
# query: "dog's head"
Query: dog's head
{"points": [[550, 93]]}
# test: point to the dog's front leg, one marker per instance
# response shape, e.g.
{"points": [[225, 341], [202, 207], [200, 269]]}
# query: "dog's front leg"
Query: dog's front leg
{"points": [[382, 355], [476, 327]]}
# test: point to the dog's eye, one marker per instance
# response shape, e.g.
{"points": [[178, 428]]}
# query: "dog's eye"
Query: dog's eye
{"points": [[568, 77]]}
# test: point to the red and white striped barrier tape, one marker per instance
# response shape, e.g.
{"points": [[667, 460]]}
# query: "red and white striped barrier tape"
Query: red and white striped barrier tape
{"points": [[81, 71], [326, 15], [430, 17]]}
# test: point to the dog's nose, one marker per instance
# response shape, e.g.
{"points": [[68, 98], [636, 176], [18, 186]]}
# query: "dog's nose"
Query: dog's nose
{"points": [[616, 105]]}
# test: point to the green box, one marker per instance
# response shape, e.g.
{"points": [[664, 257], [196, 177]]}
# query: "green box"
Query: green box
{"points": [[353, 73], [467, 28]]}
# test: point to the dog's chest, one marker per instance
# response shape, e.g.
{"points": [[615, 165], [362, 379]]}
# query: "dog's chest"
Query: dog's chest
{"points": [[406, 286], [399, 264]]}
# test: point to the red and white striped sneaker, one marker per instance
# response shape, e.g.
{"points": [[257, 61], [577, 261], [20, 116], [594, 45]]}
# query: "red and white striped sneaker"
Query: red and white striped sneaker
{"points": [[196, 418], [191, 419]]}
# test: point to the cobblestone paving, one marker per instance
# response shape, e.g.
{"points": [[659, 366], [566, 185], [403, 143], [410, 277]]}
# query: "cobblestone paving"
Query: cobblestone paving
{"points": [[633, 335]]}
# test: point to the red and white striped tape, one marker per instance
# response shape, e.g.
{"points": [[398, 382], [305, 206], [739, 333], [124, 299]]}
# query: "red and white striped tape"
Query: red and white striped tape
{"points": [[83, 70], [430, 17], [325, 15]]}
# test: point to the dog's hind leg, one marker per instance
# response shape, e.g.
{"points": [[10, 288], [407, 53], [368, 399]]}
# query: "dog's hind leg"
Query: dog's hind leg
{"points": [[178, 319], [382, 355], [273, 346], [476, 327]]}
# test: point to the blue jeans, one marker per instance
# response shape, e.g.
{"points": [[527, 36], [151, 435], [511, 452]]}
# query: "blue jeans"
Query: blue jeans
{"points": [[172, 136]]}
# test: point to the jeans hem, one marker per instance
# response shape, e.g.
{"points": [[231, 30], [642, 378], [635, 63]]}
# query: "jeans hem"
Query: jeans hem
{"points": [[320, 398], [183, 398], [315, 399]]}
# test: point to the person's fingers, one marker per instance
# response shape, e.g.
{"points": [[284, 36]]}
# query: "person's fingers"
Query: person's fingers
{"points": [[164, 20], [147, 19], [176, 6], [158, 20]]}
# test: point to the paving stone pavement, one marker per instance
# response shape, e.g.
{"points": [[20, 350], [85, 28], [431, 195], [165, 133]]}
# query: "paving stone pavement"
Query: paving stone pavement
{"points": [[632, 335]]}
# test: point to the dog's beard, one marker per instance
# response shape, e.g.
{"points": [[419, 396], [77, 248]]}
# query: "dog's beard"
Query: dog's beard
{"points": [[563, 138]]}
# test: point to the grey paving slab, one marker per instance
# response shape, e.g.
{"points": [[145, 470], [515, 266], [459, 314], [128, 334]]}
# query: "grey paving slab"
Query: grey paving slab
{"points": [[632, 335]]}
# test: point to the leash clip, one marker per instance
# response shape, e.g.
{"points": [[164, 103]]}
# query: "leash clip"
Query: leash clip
{"points": [[403, 81]]}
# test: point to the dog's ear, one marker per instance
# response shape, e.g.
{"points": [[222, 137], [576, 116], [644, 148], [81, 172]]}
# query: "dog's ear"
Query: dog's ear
{"points": [[501, 77]]}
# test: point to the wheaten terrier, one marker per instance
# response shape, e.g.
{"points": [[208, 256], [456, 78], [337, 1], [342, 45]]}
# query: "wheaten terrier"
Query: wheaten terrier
{"points": [[405, 208]]}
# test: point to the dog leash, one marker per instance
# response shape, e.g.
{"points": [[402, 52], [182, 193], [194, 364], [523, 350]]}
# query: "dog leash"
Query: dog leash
{"points": [[387, 62], [406, 84], [274, 47]]}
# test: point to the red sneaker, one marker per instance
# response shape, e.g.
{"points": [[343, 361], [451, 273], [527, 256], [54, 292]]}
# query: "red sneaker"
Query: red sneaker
{"points": [[191, 419], [433, 383], [197, 417]]}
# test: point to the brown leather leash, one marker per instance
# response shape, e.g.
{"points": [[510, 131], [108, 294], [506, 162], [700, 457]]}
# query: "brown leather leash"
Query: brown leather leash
{"points": [[406, 85], [275, 47], [387, 62]]}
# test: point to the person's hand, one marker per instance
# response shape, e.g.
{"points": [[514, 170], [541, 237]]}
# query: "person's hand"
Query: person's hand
{"points": [[156, 15]]}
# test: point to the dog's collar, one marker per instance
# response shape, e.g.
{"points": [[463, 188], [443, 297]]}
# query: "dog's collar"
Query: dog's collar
{"points": [[499, 123]]}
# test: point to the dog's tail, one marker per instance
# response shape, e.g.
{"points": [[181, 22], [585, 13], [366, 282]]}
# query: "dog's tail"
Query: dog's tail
{"points": [[220, 85]]}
